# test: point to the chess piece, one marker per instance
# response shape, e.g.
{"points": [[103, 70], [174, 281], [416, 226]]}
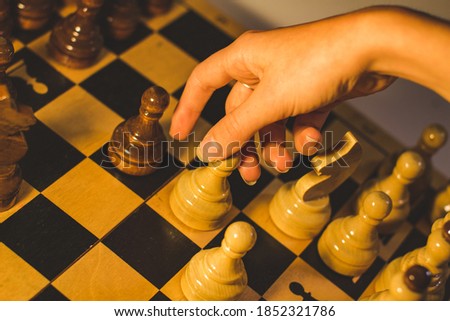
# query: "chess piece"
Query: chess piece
{"points": [[349, 245], [441, 203], [409, 285], [432, 139], [13, 120], [76, 40], [302, 209], [34, 14], [201, 198], [158, 7], [219, 274], [409, 166], [434, 256], [122, 18], [137, 144], [6, 21]]}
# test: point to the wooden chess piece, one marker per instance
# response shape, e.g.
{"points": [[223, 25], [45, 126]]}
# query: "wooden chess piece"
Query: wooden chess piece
{"points": [[409, 285], [158, 7], [219, 274], [13, 120], [349, 245], [201, 198], [6, 20], [435, 256], [302, 209], [122, 17], [76, 41], [409, 167], [441, 203], [432, 139], [137, 144], [34, 14]]}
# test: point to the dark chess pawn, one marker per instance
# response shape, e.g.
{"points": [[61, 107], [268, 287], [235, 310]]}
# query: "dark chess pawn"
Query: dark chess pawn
{"points": [[158, 7], [137, 144], [34, 14], [13, 120], [6, 21], [76, 41], [122, 17]]}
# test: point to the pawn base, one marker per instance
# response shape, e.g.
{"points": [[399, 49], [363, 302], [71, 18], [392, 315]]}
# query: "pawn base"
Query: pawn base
{"points": [[70, 61]]}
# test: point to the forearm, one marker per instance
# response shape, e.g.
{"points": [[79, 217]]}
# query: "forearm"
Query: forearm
{"points": [[409, 45]]}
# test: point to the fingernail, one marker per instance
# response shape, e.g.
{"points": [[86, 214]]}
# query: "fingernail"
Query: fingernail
{"points": [[250, 183], [282, 171], [311, 145]]}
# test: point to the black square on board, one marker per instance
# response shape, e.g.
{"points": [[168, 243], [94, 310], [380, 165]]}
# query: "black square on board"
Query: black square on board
{"points": [[50, 294], [48, 158], [196, 36], [120, 46], [119, 87], [47, 83], [243, 193], [46, 237], [342, 194], [151, 245], [354, 289], [159, 296], [413, 241], [300, 167], [265, 262], [146, 185]]}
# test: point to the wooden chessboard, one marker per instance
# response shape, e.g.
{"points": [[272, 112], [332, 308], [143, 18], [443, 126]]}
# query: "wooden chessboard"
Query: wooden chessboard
{"points": [[82, 230]]}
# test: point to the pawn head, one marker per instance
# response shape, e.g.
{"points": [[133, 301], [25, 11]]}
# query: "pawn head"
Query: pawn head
{"points": [[446, 231], [239, 238], [417, 278], [433, 137], [410, 165], [154, 102], [377, 205]]}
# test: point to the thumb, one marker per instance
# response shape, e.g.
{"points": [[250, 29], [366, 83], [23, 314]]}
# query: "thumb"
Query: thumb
{"points": [[231, 133]]}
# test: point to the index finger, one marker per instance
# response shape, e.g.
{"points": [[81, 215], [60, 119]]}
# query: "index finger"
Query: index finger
{"points": [[206, 77]]}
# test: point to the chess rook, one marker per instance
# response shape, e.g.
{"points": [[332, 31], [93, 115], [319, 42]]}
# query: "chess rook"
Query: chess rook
{"points": [[301, 209], [349, 245], [122, 17], [6, 20], [219, 274], [409, 285], [201, 198], [76, 41], [435, 256], [34, 14], [409, 166], [137, 144]]}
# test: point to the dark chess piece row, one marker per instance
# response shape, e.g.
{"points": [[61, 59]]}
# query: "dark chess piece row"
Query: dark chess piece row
{"points": [[77, 40]]}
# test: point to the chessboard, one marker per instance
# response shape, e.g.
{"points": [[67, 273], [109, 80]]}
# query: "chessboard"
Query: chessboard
{"points": [[82, 230]]}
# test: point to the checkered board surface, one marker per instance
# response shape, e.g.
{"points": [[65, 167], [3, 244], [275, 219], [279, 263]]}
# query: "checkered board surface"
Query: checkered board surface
{"points": [[82, 230]]}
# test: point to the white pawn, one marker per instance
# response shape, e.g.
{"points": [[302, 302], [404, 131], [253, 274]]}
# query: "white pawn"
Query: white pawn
{"points": [[201, 198], [410, 285], [349, 245], [301, 209], [434, 256], [409, 166], [219, 274]]}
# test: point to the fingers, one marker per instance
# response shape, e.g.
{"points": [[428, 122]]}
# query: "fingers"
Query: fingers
{"points": [[273, 140], [238, 126], [307, 136], [199, 88], [249, 167]]}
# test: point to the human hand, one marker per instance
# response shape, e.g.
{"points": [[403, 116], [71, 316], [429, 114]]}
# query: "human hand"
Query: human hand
{"points": [[300, 71]]}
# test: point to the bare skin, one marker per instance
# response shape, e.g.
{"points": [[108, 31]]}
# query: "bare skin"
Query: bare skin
{"points": [[303, 71]]}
